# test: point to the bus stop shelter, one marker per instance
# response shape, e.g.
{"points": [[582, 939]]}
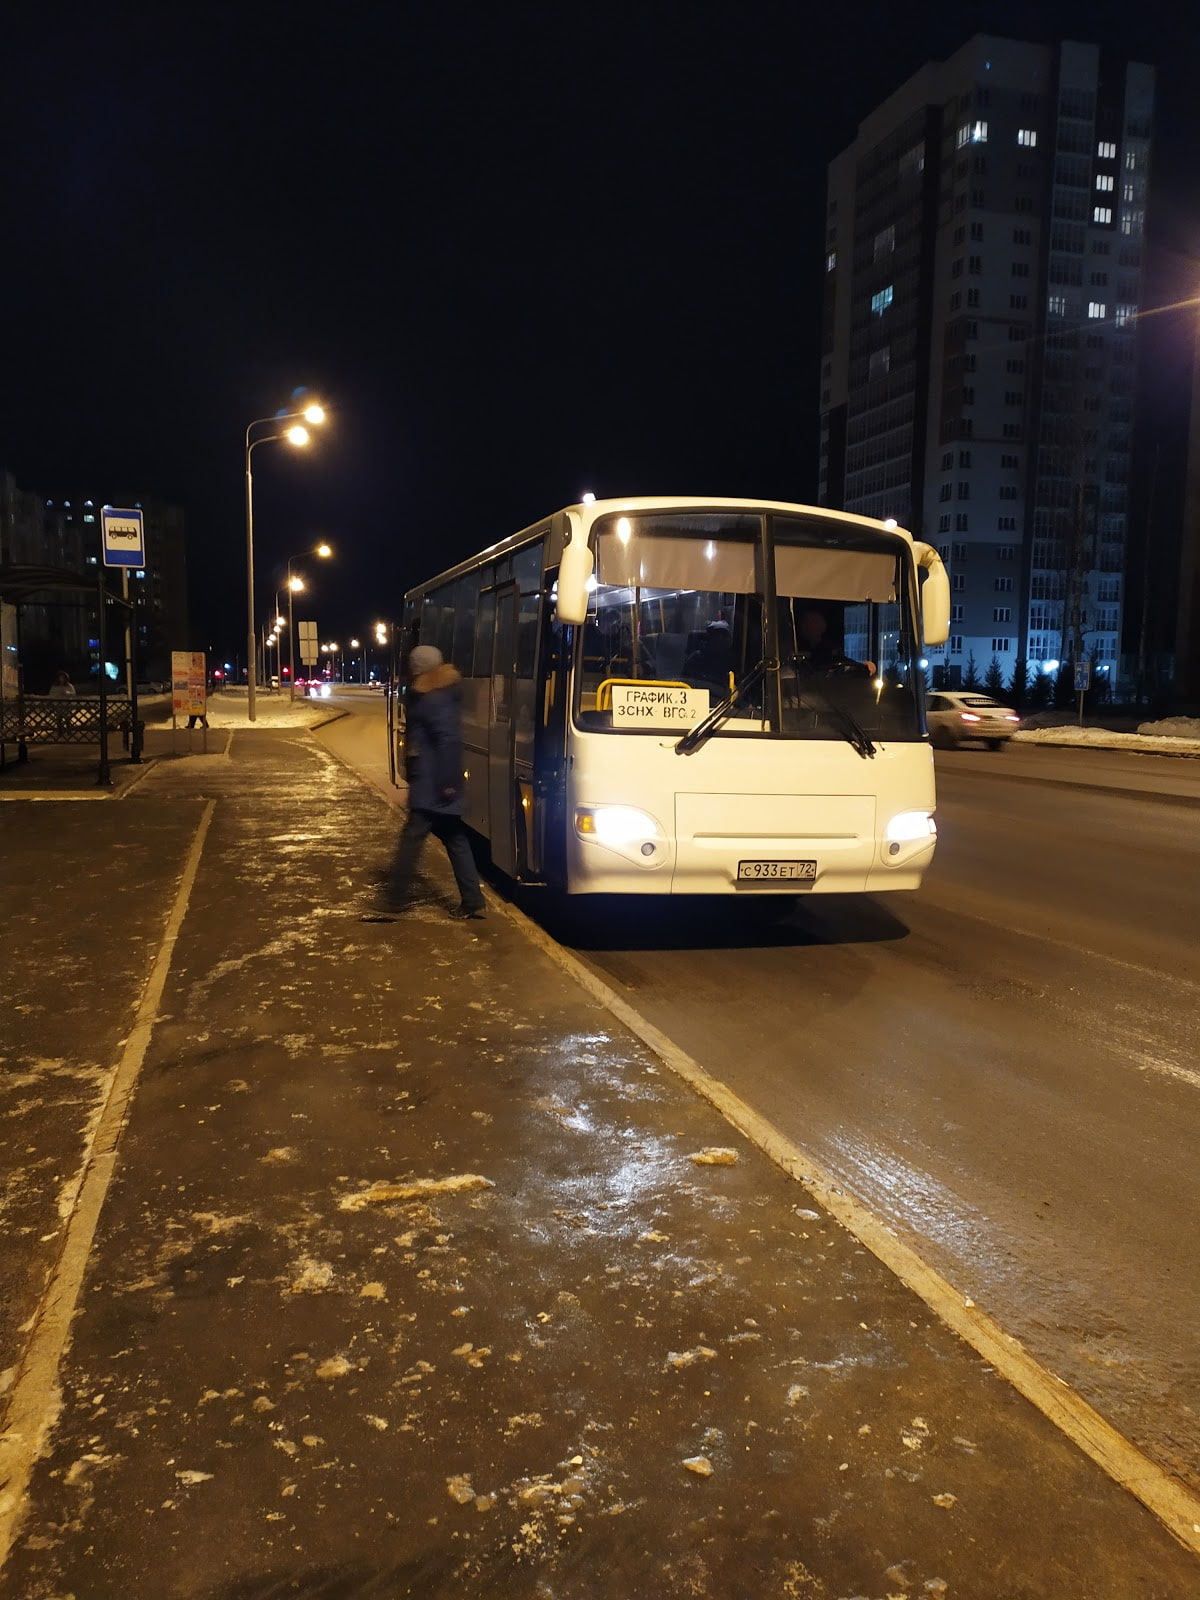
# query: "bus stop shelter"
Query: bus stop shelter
{"points": [[27, 719]]}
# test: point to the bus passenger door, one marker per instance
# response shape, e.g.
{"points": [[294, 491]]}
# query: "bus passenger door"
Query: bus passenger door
{"points": [[501, 781]]}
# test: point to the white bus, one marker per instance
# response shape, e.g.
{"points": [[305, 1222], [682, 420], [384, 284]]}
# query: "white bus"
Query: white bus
{"points": [[693, 696]]}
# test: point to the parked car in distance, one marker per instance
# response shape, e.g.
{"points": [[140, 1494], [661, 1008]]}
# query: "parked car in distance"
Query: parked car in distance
{"points": [[960, 717]]}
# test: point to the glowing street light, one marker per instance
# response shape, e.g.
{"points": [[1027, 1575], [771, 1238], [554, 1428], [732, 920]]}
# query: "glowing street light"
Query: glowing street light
{"points": [[297, 436], [295, 586]]}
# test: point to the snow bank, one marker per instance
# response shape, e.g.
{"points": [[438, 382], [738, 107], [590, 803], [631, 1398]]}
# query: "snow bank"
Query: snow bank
{"points": [[1172, 728], [1104, 739]]}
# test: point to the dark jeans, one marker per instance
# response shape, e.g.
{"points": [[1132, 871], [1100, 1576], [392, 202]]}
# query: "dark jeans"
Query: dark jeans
{"points": [[452, 831]]}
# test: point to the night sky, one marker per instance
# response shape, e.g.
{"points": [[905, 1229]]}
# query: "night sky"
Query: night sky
{"points": [[523, 251]]}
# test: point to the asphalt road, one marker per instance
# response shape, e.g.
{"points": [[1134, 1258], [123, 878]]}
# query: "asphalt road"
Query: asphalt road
{"points": [[1005, 1065]]}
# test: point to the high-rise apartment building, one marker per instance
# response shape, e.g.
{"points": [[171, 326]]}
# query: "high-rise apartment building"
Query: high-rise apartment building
{"points": [[984, 256]]}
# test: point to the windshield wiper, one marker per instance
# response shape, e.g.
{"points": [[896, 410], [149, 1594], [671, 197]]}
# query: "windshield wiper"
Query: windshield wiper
{"points": [[855, 734], [695, 737]]}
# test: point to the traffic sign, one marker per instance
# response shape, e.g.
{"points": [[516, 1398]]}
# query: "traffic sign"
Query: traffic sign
{"points": [[307, 640], [122, 537], [1083, 676]]}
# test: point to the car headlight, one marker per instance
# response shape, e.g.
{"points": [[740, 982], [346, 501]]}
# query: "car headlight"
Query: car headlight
{"points": [[614, 824], [906, 826]]}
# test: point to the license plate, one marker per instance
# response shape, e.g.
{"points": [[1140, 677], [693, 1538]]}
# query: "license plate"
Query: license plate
{"points": [[775, 871]]}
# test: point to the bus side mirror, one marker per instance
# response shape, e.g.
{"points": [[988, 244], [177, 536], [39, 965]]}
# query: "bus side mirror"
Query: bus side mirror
{"points": [[574, 576], [935, 595]]}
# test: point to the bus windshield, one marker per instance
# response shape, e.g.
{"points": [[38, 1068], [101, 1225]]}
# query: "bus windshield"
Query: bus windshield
{"points": [[702, 599]]}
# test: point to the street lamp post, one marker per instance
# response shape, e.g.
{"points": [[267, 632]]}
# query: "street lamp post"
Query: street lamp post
{"points": [[296, 586], [298, 436]]}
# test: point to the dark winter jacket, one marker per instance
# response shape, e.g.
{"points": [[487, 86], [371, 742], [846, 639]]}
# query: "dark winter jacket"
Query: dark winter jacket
{"points": [[433, 751]]}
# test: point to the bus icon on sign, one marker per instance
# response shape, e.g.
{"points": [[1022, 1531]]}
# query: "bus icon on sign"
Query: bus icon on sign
{"points": [[123, 537]]}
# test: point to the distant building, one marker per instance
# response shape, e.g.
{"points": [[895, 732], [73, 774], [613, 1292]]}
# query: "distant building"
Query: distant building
{"points": [[60, 631], [53, 629], [159, 588], [984, 270]]}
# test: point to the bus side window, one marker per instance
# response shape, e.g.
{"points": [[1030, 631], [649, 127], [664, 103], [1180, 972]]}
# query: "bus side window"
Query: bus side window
{"points": [[485, 627], [527, 632]]}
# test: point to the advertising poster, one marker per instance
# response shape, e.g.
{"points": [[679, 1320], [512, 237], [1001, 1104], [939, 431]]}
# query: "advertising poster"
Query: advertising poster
{"points": [[189, 680]]}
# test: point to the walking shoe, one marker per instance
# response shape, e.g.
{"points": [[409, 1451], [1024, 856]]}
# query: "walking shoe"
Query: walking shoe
{"points": [[468, 913]]}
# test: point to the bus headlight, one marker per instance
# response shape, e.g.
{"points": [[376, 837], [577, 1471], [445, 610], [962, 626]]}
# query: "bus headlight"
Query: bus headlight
{"points": [[906, 826], [615, 825]]}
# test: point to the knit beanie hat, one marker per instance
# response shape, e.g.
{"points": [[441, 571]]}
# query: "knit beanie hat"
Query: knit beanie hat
{"points": [[423, 658]]}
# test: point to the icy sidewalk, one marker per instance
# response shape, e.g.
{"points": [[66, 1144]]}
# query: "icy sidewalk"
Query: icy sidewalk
{"points": [[420, 1277]]}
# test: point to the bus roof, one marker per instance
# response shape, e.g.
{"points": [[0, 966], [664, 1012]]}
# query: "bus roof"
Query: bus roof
{"points": [[590, 511]]}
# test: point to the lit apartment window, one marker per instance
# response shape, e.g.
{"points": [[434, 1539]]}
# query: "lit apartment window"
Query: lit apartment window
{"points": [[1106, 150], [1105, 181], [881, 300], [1027, 136], [1096, 309], [979, 132], [1057, 305], [1123, 315], [1131, 223], [1101, 213], [831, 261]]}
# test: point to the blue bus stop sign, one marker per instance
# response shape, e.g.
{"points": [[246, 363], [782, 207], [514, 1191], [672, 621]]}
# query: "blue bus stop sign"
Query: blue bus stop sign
{"points": [[1083, 676], [122, 537]]}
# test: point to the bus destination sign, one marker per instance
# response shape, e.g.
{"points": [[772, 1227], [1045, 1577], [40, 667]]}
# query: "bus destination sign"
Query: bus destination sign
{"points": [[657, 705]]}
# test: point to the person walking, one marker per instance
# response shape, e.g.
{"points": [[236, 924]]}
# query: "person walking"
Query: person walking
{"points": [[433, 760]]}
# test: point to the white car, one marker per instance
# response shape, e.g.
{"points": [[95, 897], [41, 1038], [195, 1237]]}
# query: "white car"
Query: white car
{"points": [[958, 717]]}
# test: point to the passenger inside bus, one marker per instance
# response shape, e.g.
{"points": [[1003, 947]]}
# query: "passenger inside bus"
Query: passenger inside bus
{"points": [[710, 664]]}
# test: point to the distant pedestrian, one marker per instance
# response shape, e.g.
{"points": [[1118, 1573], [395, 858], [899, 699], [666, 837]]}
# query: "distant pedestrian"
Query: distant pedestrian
{"points": [[198, 719], [62, 688], [433, 755]]}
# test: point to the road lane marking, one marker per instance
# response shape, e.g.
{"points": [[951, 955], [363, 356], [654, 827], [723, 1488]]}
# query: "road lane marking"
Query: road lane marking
{"points": [[1175, 1506], [36, 1398]]}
